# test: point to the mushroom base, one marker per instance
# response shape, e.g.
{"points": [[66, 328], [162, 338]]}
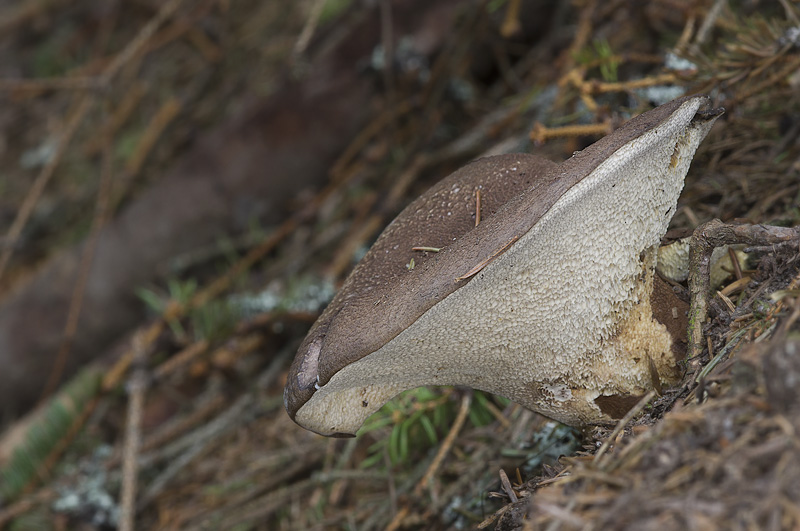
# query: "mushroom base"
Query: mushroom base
{"points": [[639, 356], [558, 318]]}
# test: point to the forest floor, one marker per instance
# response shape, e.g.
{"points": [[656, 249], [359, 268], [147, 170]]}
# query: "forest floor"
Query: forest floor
{"points": [[184, 185]]}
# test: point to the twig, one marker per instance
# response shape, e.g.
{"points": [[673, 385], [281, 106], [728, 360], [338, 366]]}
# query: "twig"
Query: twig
{"points": [[362, 139], [563, 515], [483, 263], [708, 23], [360, 231], [101, 215], [790, 12], [540, 133], [729, 303], [426, 249], [39, 184], [24, 12], [58, 450], [511, 25], [215, 288], [175, 428], [133, 438], [447, 444], [506, 484], [497, 414], [140, 40], [102, 81], [163, 117], [705, 238], [598, 457], [117, 372], [705, 371], [51, 83], [398, 518], [737, 268], [598, 87], [778, 77], [183, 451], [221, 283], [181, 359], [582, 34], [308, 29], [387, 43], [24, 505], [123, 111]]}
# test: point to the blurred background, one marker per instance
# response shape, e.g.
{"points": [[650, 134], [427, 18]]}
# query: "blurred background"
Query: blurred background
{"points": [[185, 184]]}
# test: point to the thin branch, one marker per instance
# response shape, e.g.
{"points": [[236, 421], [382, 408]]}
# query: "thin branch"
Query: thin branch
{"points": [[101, 215], [706, 237], [598, 457], [25, 211], [137, 387], [447, 444]]}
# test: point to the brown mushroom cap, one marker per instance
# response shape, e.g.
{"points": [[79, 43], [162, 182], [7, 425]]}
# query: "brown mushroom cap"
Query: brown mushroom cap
{"points": [[558, 316]]}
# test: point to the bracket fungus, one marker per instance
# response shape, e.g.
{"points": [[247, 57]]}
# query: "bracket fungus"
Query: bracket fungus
{"points": [[551, 301]]}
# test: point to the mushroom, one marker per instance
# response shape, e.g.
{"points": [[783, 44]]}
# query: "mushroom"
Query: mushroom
{"points": [[673, 261], [551, 301]]}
